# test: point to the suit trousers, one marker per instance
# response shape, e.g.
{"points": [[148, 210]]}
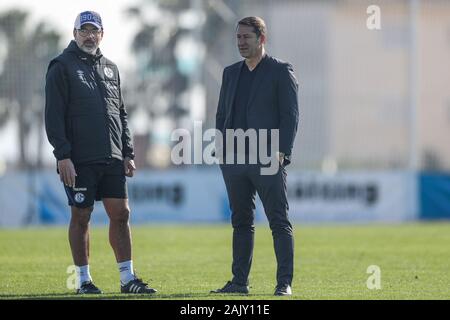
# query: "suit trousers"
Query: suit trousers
{"points": [[242, 182]]}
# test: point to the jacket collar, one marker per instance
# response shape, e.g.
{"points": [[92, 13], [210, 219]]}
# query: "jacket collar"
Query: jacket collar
{"points": [[73, 48], [260, 75]]}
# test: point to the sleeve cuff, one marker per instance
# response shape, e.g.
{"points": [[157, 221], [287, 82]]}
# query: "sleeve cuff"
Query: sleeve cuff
{"points": [[62, 157]]}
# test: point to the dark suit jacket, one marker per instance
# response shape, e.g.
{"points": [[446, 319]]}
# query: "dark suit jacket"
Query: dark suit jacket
{"points": [[273, 102]]}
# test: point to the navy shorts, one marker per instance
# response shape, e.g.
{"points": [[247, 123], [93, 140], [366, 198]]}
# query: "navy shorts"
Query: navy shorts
{"points": [[97, 181]]}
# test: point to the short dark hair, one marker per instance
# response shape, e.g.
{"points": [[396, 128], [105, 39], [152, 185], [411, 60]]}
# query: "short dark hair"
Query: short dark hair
{"points": [[258, 24]]}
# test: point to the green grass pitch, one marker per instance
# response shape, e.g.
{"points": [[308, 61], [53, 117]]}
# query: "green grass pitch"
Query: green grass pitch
{"points": [[187, 261]]}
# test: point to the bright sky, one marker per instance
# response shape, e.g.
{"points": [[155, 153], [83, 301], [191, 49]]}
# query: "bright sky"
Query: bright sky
{"points": [[61, 15]]}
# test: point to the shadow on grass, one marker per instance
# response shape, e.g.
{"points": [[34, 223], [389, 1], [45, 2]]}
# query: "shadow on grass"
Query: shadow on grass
{"points": [[113, 296]]}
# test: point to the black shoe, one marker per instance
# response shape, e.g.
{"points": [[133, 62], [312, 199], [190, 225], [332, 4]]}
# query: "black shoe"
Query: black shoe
{"points": [[88, 287], [232, 288], [283, 290], [136, 286]]}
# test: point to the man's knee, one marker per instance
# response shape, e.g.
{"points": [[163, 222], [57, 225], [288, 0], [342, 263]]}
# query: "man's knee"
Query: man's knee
{"points": [[243, 224], [244, 228], [243, 220], [281, 228], [120, 215], [81, 216]]}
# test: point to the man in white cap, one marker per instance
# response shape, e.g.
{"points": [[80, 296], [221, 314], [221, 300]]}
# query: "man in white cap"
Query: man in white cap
{"points": [[86, 123]]}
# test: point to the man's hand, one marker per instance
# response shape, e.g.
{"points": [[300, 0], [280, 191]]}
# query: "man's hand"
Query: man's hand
{"points": [[129, 167], [67, 172]]}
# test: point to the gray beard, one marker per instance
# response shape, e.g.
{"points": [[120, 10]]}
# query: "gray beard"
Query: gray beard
{"points": [[89, 51]]}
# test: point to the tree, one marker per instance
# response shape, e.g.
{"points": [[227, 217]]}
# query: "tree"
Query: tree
{"points": [[170, 47], [22, 78]]}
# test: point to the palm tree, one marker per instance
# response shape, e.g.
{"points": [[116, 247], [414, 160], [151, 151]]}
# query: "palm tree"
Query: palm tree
{"points": [[22, 78]]}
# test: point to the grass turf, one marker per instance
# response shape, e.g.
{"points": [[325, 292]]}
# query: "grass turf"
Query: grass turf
{"points": [[187, 261]]}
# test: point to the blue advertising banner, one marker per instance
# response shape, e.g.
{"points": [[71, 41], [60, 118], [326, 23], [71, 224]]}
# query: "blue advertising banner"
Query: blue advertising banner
{"points": [[434, 193], [199, 196]]}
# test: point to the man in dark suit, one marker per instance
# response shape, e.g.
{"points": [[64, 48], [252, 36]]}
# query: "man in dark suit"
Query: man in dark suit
{"points": [[257, 93]]}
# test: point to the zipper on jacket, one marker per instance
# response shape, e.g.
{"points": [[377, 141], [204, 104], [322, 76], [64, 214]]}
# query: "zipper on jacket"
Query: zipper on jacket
{"points": [[105, 107]]}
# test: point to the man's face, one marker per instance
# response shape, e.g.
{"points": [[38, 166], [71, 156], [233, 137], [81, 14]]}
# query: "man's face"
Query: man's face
{"points": [[248, 43], [88, 38]]}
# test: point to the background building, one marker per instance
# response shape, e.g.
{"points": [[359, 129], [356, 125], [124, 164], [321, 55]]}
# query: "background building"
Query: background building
{"points": [[371, 100]]}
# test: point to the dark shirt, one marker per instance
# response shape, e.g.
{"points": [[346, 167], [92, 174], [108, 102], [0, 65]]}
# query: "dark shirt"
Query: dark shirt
{"points": [[241, 100], [243, 90]]}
